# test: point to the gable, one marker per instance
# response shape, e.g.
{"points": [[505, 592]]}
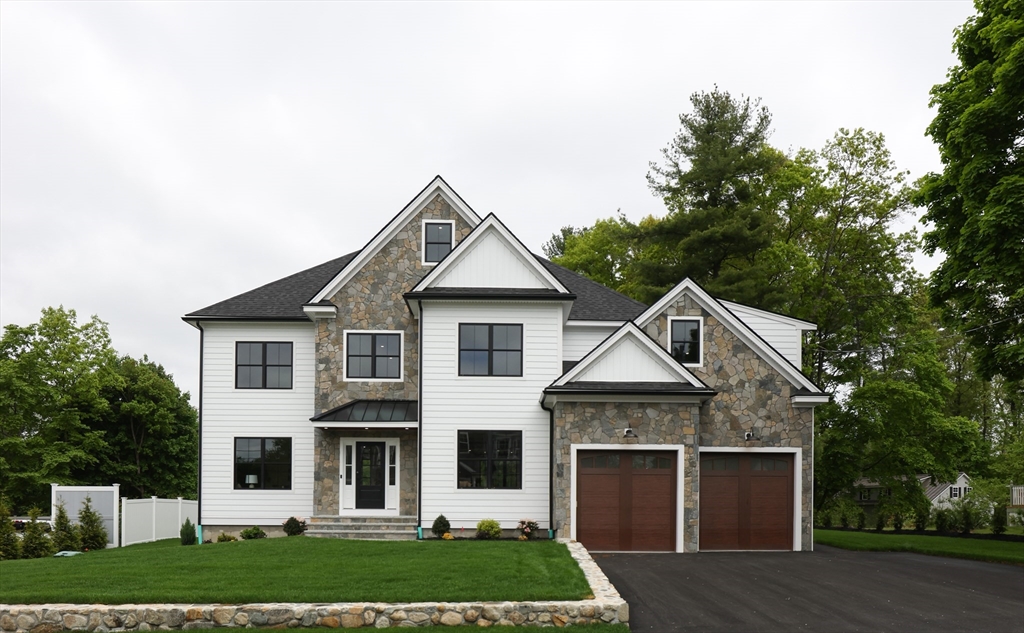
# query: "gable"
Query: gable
{"points": [[490, 262], [627, 361]]}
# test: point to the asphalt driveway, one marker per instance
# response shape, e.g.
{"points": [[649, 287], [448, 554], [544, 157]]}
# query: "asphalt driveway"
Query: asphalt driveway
{"points": [[829, 590]]}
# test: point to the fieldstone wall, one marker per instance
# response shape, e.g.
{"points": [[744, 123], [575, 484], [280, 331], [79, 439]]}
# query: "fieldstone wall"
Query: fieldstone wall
{"points": [[373, 300], [752, 396], [327, 462], [603, 423]]}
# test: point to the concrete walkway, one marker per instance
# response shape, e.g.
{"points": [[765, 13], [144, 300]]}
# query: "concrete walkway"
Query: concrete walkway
{"points": [[829, 590]]}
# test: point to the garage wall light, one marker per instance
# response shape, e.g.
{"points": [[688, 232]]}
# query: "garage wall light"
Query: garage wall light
{"points": [[629, 433], [749, 436]]}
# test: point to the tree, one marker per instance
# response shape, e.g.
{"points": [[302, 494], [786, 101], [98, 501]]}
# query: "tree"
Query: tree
{"points": [[65, 534], [35, 543], [10, 544], [976, 202], [90, 527]]}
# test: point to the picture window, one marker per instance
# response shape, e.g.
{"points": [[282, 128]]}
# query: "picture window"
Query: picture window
{"points": [[263, 463], [490, 459], [263, 365]]}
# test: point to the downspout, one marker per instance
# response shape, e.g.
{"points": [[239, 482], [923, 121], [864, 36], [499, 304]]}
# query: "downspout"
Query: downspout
{"points": [[551, 469], [199, 472], [419, 432]]}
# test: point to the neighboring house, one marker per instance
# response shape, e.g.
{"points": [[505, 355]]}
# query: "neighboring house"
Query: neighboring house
{"points": [[869, 493], [445, 369]]}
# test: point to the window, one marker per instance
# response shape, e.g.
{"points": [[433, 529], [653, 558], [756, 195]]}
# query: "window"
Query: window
{"points": [[373, 355], [490, 459], [263, 463], [954, 492], [865, 494], [263, 365], [437, 241], [490, 350], [685, 341]]}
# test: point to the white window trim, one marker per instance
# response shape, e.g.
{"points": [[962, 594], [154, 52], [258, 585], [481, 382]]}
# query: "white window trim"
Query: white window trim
{"points": [[423, 238], [490, 321], [700, 339], [347, 489], [261, 491], [490, 493], [865, 494], [401, 350]]}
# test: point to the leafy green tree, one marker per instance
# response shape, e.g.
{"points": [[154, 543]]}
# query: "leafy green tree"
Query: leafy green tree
{"points": [[35, 543], [90, 527], [10, 544], [65, 533], [976, 203]]}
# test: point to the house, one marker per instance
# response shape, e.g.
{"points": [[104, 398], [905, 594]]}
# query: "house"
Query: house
{"points": [[445, 369], [939, 494]]}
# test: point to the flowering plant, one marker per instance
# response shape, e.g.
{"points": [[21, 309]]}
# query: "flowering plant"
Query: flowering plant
{"points": [[527, 528]]}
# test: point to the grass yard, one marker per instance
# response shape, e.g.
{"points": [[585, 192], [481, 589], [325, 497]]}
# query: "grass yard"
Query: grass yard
{"points": [[300, 569], [976, 549]]}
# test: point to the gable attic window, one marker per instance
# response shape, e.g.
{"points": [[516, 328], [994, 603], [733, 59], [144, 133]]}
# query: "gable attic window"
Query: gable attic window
{"points": [[686, 340], [263, 365], [437, 240], [373, 355]]}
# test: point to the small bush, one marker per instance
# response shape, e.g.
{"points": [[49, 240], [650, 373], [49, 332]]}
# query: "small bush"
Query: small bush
{"points": [[448, 536], [294, 527], [944, 521], [826, 519], [880, 521], [251, 533], [65, 533], [897, 521], [441, 526], [921, 516], [226, 538], [998, 519], [187, 532], [35, 543], [862, 520], [844, 519], [527, 529], [10, 544], [488, 529], [90, 527]]}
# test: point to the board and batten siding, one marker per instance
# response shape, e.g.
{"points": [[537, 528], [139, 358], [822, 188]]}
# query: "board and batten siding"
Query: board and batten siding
{"points": [[784, 337], [453, 403], [229, 413], [626, 361], [578, 340], [490, 264]]}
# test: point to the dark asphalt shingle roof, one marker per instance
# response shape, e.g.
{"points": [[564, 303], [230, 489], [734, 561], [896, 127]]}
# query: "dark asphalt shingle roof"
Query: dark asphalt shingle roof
{"points": [[283, 299]]}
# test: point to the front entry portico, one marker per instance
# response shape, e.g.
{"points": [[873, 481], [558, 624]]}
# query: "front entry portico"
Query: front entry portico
{"points": [[370, 476]]}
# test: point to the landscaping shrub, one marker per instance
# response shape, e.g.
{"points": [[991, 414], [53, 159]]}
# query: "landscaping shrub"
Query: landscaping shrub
{"points": [[65, 533], [90, 527], [187, 532], [844, 518], [527, 529], [998, 519], [880, 521], [448, 536], [251, 533], [921, 516], [441, 526], [944, 520], [862, 520], [488, 529], [36, 542], [10, 544], [969, 514], [294, 527], [897, 521], [826, 519], [226, 538]]}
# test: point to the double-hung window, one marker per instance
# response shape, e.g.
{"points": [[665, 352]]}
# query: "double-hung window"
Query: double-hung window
{"points": [[685, 340], [263, 365], [373, 356], [437, 241], [263, 463], [490, 459], [490, 350]]}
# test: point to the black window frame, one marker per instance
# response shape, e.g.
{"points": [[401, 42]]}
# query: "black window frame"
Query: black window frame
{"points": [[490, 349], [373, 356], [490, 459], [265, 365], [261, 484], [699, 342], [427, 242]]}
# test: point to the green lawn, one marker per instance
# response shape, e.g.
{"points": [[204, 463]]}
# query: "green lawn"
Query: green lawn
{"points": [[301, 569], [977, 549]]}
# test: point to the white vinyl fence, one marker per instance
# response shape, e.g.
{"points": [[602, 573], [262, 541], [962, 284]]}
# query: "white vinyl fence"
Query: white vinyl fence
{"points": [[153, 519], [1018, 496], [102, 498]]}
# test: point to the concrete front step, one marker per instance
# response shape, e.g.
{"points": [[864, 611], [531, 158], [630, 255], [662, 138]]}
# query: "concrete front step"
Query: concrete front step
{"points": [[361, 527], [367, 528], [329, 520], [366, 535]]}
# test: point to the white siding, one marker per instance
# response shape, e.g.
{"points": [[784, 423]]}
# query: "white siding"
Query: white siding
{"points": [[627, 361], [229, 413], [451, 403], [577, 341], [784, 337], [490, 263]]}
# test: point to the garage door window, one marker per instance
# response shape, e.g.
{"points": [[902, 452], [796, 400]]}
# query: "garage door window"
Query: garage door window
{"points": [[649, 462], [600, 461], [720, 463], [767, 463]]}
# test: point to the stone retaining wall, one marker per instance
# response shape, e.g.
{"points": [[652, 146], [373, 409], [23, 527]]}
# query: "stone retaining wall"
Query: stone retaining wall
{"points": [[606, 606]]}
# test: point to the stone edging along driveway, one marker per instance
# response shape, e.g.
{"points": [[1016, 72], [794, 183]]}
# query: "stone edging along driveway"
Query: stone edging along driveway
{"points": [[606, 606]]}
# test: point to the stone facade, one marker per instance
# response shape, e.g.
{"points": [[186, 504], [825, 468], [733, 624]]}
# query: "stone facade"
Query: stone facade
{"points": [[752, 396], [603, 423], [374, 300], [327, 464]]}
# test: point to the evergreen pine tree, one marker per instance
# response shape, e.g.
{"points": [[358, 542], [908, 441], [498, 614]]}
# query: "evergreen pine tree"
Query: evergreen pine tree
{"points": [[65, 533], [90, 527], [9, 542], [36, 542]]}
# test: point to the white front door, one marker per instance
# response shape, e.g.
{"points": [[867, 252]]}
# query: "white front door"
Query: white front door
{"points": [[369, 476]]}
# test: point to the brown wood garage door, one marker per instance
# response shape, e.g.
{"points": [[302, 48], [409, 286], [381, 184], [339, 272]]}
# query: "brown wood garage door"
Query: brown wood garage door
{"points": [[746, 501], [626, 500]]}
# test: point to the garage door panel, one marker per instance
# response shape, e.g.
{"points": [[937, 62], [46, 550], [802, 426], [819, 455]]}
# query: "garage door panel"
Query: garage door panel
{"points": [[746, 501], [653, 516], [720, 512], [599, 510]]}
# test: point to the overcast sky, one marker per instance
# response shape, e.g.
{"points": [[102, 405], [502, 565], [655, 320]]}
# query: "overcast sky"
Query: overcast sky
{"points": [[159, 157]]}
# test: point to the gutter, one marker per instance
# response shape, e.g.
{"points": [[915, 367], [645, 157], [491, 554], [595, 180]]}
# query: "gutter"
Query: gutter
{"points": [[199, 472], [551, 469]]}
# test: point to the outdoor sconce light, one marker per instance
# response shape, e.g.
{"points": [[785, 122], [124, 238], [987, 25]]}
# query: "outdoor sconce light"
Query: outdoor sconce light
{"points": [[629, 433], [749, 436], [252, 480]]}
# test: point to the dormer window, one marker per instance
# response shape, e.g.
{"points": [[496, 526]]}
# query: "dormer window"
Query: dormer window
{"points": [[437, 240], [686, 341]]}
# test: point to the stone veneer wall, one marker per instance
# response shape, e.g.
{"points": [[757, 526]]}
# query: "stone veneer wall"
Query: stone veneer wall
{"points": [[374, 300], [603, 423], [327, 464], [753, 396]]}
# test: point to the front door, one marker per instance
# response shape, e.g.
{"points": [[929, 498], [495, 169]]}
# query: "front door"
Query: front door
{"points": [[370, 475]]}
